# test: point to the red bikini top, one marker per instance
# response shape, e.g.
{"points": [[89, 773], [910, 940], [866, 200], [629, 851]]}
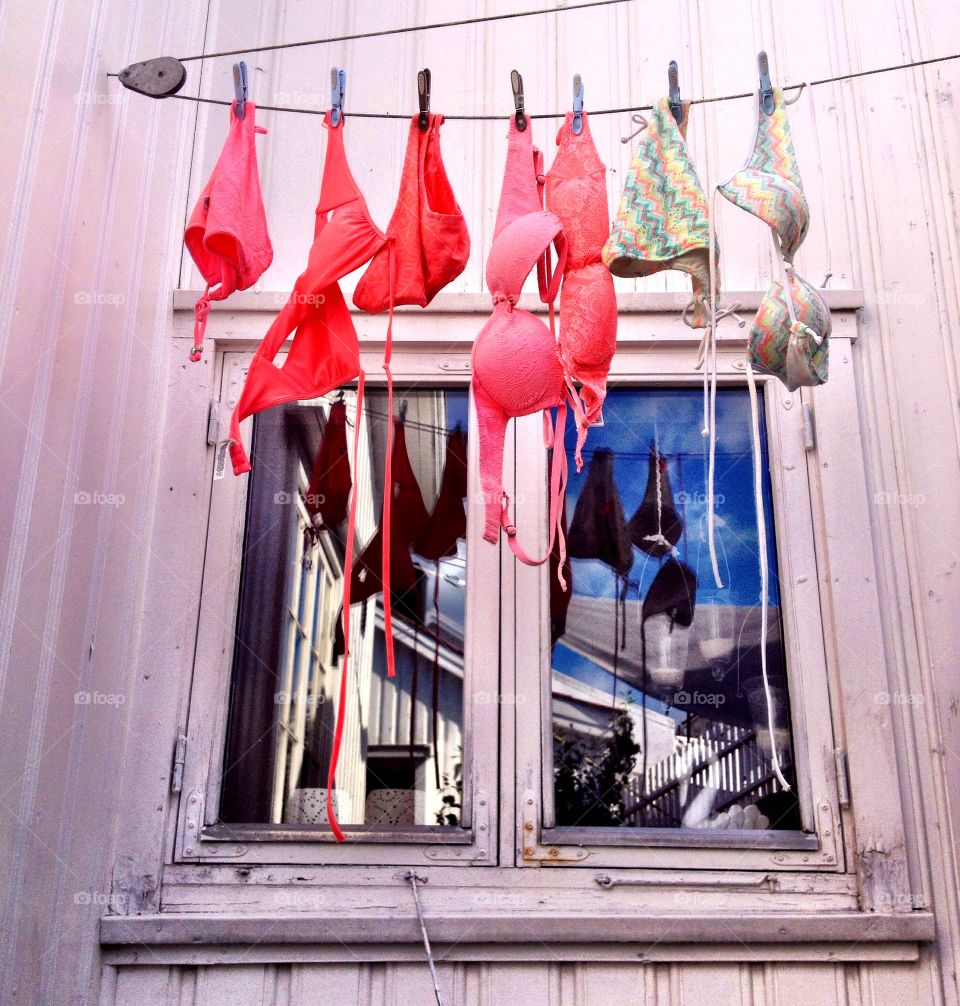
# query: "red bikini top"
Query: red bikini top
{"points": [[227, 231], [325, 352], [429, 234]]}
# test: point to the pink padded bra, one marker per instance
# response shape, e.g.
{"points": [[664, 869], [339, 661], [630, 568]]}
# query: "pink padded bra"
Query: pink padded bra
{"points": [[515, 362], [577, 193]]}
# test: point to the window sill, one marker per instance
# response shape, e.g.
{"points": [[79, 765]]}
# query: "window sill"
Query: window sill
{"points": [[664, 936], [271, 301]]}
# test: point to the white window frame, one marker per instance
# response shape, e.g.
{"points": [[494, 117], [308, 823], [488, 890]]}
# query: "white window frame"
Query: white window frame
{"points": [[819, 846], [199, 836], [245, 898]]}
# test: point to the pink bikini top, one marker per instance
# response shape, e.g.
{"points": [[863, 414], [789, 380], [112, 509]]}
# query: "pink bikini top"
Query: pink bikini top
{"points": [[515, 361], [227, 231], [577, 193]]}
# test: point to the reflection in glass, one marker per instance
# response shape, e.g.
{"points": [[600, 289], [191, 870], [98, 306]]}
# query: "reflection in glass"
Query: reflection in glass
{"points": [[401, 757], [659, 712]]}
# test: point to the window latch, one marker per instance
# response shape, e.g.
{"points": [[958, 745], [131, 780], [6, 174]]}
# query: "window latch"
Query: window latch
{"points": [[179, 758], [213, 424]]}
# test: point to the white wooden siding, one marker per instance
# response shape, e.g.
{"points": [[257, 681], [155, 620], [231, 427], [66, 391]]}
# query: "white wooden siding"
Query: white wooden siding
{"points": [[95, 184]]}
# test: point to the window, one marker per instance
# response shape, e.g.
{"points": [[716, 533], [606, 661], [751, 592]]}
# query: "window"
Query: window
{"points": [[654, 745], [512, 708], [659, 724], [414, 764]]}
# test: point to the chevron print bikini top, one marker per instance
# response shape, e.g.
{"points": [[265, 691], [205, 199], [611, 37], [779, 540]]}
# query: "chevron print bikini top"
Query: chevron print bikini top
{"points": [[769, 186], [789, 334], [663, 219]]}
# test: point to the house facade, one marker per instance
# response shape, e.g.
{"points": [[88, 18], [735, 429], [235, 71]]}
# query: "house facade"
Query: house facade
{"points": [[588, 803]]}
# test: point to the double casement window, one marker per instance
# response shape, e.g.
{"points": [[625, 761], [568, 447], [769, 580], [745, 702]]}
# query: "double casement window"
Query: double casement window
{"points": [[526, 726]]}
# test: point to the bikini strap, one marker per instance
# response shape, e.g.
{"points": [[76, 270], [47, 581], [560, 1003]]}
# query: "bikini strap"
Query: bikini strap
{"points": [[345, 667], [558, 483]]}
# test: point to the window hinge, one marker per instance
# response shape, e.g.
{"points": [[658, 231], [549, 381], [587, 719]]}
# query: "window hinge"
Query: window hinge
{"points": [[809, 427], [179, 758], [843, 777], [213, 424]]}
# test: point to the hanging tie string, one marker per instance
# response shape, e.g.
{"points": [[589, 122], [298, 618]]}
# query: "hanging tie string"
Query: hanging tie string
{"points": [[345, 665], [659, 538], [764, 570], [707, 359], [385, 520]]}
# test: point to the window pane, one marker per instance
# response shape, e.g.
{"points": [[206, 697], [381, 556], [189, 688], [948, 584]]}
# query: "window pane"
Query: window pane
{"points": [[401, 756], [679, 739]]}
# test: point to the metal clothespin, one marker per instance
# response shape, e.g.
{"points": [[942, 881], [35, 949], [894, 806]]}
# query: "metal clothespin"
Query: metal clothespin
{"points": [[240, 87], [338, 86], [516, 82], [673, 82], [766, 88], [423, 93], [577, 104]]}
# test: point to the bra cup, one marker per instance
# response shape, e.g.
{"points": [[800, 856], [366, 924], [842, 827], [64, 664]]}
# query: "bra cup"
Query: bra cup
{"points": [[770, 346], [775, 200], [515, 362], [588, 316], [517, 249]]}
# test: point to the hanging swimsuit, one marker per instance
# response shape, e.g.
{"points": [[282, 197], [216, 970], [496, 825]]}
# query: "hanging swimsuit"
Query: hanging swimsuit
{"points": [[656, 526], [576, 191], [330, 481], [515, 361], [663, 219], [227, 232], [431, 243], [791, 330], [323, 355], [446, 526], [599, 529]]}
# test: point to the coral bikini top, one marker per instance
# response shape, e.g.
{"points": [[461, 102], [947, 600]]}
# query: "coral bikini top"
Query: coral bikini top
{"points": [[227, 231], [515, 361], [576, 191], [324, 353]]}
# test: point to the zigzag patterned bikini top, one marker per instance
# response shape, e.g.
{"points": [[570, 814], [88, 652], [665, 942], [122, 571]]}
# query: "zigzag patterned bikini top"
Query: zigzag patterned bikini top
{"points": [[769, 186], [663, 220]]}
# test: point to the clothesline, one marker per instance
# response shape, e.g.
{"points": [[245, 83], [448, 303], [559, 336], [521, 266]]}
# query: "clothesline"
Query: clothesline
{"points": [[405, 116]]}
